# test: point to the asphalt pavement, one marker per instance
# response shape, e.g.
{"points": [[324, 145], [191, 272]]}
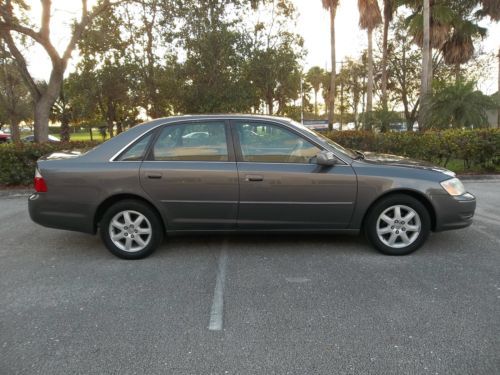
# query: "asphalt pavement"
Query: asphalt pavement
{"points": [[250, 304]]}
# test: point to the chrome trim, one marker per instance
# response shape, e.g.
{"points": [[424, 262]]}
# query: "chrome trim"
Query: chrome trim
{"points": [[112, 159], [303, 203], [288, 124], [195, 201], [225, 118]]}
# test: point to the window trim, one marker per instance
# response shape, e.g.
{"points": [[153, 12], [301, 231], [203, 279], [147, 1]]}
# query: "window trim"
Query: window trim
{"points": [[132, 144], [237, 144], [227, 131]]}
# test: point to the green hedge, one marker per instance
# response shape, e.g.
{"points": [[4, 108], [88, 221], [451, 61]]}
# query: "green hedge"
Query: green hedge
{"points": [[461, 150], [477, 150], [17, 161]]}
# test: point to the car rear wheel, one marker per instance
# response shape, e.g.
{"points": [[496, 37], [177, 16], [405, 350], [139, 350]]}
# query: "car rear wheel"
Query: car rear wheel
{"points": [[131, 229], [398, 225]]}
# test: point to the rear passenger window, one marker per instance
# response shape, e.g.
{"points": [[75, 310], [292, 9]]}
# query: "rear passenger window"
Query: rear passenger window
{"points": [[136, 152], [201, 141]]}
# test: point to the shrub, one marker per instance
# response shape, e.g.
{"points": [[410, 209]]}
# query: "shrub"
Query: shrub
{"points": [[17, 161], [478, 149]]}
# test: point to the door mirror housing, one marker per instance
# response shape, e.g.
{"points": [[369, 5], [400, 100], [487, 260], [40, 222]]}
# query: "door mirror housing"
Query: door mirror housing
{"points": [[326, 158]]}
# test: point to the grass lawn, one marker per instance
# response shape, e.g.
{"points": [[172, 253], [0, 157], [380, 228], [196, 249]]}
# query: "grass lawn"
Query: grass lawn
{"points": [[458, 166], [84, 136]]}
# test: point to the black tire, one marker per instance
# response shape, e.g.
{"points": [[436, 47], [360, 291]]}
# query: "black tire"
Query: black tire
{"points": [[152, 223], [399, 248]]}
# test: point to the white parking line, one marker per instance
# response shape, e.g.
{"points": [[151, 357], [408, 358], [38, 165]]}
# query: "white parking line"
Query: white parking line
{"points": [[217, 311]]}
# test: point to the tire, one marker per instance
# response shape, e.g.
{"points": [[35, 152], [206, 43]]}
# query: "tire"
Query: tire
{"points": [[392, 229], [131, 229]]}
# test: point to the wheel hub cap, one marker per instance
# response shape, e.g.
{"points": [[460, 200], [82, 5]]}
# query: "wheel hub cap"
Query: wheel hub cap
{"points": [[398, 226]]}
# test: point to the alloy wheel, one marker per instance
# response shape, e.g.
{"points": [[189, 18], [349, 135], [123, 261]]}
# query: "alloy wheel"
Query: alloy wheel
{"points": [[398, 226]]}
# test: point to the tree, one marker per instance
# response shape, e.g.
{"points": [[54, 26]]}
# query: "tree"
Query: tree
{"points": [[404, 63], [148, 30], [331, 6], [426, 80], [459, 105], [315, 77], [15, 104], [62, 112], [11, 23], [490, 8], [355, 72], [369, 19], [216, 51], [274, 62], [389, 9], [458, 48]]}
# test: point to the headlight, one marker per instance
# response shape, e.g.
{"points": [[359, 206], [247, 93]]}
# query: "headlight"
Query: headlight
{"points": [[453, 186]]}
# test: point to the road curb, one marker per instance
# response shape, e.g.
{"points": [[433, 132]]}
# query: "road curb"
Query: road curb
{"points": [[479, 177], [15, 193]]}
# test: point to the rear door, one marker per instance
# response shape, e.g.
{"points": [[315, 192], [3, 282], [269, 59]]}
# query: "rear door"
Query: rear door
{"points": [[191, 172], [282, 187]]}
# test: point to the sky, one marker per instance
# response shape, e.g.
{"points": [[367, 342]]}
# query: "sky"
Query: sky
{"points": [[312, 23]]}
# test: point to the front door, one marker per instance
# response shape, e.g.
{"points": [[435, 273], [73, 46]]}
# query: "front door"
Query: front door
{"points": [[191, 172], [281, 186]]}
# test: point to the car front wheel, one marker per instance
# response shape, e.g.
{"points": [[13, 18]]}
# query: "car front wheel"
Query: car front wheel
{"points": [[131, 229], [398, 225]]}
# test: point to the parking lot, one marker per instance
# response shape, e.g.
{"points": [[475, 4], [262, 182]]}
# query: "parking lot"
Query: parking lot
{"points": [[250, 304]]}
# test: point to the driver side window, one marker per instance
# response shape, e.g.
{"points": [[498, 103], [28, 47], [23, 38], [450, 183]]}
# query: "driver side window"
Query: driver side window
{"points": [[266, 143]]}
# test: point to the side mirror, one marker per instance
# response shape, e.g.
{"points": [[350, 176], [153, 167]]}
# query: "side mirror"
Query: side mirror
{"points": [[326, 159]]}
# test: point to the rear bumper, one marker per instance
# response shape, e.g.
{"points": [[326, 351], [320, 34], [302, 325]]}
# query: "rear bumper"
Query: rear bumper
{"points": [[60, 215], [454, 212]]}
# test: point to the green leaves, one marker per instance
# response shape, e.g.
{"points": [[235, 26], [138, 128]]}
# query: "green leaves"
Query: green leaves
{"points": [[459, 105], [478, 150]]}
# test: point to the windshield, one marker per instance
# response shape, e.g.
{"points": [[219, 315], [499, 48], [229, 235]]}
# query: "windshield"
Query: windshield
{"points": [[323, 138]]}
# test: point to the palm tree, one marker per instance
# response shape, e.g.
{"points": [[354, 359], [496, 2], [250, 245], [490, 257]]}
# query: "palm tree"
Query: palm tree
{"points": [[490, 8], [388, 14], [460, 105], [331, 6], [459, 48], [315, 77], [369, 19], [425, 86]]}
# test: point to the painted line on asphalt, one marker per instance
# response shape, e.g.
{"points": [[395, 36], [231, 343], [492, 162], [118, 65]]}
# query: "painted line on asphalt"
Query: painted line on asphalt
{"points": [[217, 311]]}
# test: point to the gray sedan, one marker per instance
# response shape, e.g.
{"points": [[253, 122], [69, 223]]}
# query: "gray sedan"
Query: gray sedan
{"points": [[246, 173]]}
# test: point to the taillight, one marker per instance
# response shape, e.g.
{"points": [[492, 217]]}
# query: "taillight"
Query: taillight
{"points": [[40, 185]]}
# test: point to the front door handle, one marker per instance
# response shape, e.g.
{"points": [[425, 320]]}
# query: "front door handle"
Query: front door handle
{"points": [[253, 178], [154, 176]]}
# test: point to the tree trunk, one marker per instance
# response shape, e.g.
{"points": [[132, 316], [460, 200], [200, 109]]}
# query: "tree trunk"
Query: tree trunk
{"points": [[341, 103], [91, 135], [270, 105], [356, 116], [385, 53], [426, 70], [41, 117], [457, 72], [44, 103], [315, 102], [498, 92], [369, 84], [65, 128], [333, 76], [14, 129]]}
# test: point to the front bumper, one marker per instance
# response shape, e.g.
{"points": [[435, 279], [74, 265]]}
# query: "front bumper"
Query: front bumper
{"points": [[453, 212]]}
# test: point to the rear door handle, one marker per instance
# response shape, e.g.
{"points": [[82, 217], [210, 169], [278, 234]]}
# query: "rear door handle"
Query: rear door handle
{"points": [[154, 176], [253, 178]]}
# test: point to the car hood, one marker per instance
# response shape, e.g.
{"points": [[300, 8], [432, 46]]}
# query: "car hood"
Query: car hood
{"points": [[401, 161]]}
